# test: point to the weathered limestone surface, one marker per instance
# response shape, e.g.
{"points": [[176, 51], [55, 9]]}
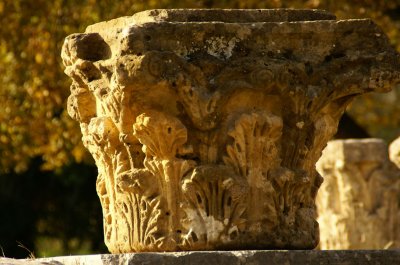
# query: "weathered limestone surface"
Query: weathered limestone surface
{"points": [[359, 201], [260, 257], [206, 124]]}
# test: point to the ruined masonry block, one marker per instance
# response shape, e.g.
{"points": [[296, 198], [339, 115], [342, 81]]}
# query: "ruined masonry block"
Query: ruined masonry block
{"points": [[206, 125]]}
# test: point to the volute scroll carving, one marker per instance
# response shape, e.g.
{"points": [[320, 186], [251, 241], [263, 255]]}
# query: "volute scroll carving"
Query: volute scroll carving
{"points": [[206, 133]]}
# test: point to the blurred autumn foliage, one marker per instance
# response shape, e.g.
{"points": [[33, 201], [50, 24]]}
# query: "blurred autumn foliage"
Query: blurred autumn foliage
{"points": [[36, 134]]}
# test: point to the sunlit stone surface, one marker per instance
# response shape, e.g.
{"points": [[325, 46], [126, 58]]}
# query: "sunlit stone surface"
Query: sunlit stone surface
{"points": [[359, 201], [206, 124], [394, 151]]}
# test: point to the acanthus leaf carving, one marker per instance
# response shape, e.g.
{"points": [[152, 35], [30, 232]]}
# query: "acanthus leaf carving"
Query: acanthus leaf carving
{"points": [[139, 210], [254, 154], [162, 136], [214, 208], [100, 136]]}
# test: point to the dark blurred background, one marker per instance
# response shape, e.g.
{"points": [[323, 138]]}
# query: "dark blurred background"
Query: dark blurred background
{"points": [[48, 202]]}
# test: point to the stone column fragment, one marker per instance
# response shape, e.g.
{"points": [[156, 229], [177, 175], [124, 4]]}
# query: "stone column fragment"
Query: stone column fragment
{"points": [[206, 125], [359, 201], [394, 152]]}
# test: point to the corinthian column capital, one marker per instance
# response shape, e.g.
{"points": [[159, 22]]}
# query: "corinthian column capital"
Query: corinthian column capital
{"points": [[206, 124]]}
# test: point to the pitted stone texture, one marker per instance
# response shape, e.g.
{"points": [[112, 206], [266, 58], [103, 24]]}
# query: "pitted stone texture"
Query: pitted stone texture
{"points": [[206, 124], [358, 203], [298, 257]]}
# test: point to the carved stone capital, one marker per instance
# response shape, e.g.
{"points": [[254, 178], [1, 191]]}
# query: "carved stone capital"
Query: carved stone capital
{"points": [[394, 152], [358, 204], [206, 124]]}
